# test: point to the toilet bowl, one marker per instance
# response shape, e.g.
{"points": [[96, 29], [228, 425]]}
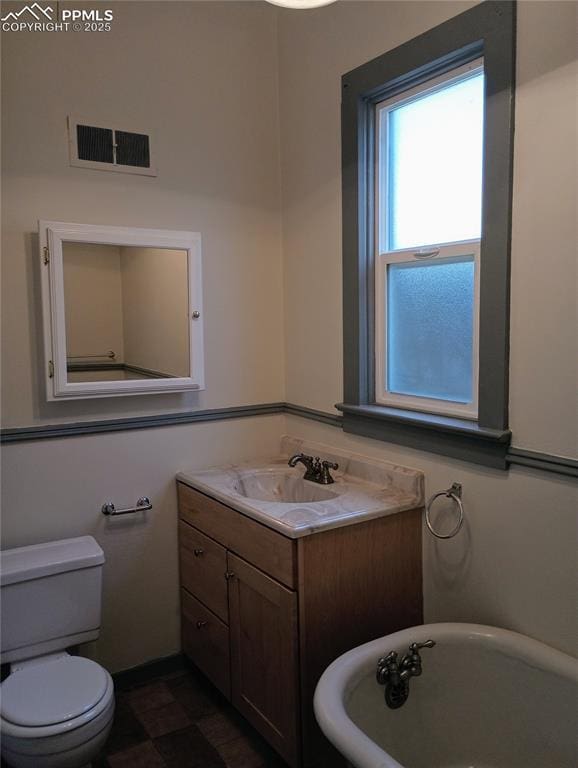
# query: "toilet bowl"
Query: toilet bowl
{"points": [[56, 710]]}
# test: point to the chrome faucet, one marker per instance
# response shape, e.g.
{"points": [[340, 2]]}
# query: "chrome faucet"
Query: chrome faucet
{"points": [[396, 675], [315, 470]]}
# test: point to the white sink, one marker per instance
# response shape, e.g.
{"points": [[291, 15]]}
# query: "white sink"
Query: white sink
{"points": [[281, 487], [273, 493]]}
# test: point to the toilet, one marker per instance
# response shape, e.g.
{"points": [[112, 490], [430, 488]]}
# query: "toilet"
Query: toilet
{"points": [[56, 709]]}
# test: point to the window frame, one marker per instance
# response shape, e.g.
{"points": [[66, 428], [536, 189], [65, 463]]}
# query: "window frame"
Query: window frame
{"points": [[485, 31], [385, 255]]}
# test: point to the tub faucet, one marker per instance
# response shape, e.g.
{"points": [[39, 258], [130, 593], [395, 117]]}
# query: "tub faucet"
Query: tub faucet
{"points": [[396, 675]]}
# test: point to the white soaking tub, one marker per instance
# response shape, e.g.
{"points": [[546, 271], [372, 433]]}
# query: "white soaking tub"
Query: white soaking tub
{"points": [[487, 698]]}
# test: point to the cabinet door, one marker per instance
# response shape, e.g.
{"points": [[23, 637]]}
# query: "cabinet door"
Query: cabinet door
{"points": [[264, 657]]}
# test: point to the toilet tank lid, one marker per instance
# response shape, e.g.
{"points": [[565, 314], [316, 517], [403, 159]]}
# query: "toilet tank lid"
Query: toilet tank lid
{"points": [[33, 562]]}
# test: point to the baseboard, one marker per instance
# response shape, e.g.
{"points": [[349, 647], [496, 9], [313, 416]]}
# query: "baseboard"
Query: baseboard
{"points": [[143, 673]]}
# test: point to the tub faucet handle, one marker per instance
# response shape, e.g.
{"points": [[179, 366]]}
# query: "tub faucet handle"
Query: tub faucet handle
{"points": [[411, 663], [412, 659], [414, 647], [386, 666]]}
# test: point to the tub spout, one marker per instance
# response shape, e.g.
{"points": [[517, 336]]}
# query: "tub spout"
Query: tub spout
{"points": [[396, 675]]}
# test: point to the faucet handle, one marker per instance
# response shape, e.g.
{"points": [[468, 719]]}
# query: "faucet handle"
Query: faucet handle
{"points": [[385, 666], [324, 473], [389, 660], [415, 647]]}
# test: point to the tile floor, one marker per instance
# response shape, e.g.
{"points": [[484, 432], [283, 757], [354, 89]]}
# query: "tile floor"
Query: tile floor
{"points": [[179, 720]]}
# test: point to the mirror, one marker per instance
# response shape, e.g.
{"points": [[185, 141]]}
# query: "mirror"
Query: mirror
{"points": [[126, 312], [122, 310]]}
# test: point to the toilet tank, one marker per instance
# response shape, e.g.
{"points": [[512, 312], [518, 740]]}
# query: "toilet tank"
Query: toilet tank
{"points": [[51, 597]]}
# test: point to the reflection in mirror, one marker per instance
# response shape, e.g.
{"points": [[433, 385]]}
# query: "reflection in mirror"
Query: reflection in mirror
{"points": [[126, 312]]}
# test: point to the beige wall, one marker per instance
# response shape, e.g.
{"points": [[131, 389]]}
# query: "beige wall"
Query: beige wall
{"points": [[92, 299], [329, 43], [544, 352], [155, 307], [211, 93], [543, 335], [55, 489], [515, 564]]}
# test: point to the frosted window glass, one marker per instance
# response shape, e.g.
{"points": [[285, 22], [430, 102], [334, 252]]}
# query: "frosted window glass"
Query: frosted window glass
{"points": [[430, 329], [434, 157]]}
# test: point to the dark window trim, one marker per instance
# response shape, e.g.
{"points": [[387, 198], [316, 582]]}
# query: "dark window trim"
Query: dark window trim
{"points": [[487, 30]]}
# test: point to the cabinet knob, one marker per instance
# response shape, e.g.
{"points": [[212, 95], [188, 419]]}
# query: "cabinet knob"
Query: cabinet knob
{"points": [[229, 575], [198, 552], [201, 624]]}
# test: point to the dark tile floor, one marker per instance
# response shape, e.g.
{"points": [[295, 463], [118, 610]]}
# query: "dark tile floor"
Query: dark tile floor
{"points": [[179, 720]]}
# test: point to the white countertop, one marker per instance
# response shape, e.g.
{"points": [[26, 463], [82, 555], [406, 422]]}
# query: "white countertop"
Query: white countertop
{"points": [[364, 488]]}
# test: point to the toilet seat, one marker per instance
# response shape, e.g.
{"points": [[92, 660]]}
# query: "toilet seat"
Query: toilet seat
{"points": [[53, 696]]}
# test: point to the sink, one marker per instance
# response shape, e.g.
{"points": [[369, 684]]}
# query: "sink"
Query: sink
{"points": [[281, 487], [271, 492]]}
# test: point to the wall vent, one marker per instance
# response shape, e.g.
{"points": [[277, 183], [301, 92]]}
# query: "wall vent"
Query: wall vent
{"points": [[110, 149]]}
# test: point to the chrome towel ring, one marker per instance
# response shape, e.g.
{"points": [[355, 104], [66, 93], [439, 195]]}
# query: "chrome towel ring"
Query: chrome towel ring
{"points": [[455, 494]]}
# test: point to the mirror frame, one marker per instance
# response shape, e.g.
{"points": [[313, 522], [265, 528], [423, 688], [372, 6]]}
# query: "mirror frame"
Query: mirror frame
{"points": [[52, 234]]}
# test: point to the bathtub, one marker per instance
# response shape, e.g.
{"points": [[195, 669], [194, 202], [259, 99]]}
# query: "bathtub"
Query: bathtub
{"points": [[487, 698]]}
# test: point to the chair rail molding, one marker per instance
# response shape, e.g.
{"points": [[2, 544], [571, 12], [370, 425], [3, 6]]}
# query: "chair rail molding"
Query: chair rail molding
{"points": [[545, 462]]}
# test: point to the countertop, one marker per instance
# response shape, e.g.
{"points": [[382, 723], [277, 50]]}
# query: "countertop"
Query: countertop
{"points": [[364, 489]]}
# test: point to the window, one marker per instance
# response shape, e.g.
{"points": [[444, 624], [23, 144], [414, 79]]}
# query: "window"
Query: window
{"points": [[429, 202], [427, 146]]}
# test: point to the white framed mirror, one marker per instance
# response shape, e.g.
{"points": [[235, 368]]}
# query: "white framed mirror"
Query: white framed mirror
{"points": [[122, 310]]}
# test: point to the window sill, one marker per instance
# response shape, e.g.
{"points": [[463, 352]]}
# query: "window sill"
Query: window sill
{"points": [[448, 436]]}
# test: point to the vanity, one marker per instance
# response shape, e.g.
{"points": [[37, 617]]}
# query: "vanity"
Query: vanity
{"points": [[280, 576]]}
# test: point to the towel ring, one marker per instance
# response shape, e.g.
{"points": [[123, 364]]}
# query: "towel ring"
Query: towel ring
{"points": [[455, 494]]}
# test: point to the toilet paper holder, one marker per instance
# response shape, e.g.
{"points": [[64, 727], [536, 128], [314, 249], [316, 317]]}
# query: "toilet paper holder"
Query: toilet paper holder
{"points": [[142, 505]]}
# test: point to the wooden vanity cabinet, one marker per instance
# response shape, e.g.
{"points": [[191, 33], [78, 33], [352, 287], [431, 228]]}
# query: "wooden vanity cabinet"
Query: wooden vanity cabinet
{"points": [[263, 615]]}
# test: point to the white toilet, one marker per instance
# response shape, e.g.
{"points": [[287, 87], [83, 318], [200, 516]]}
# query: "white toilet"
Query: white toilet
{"points": [[56, 710]]}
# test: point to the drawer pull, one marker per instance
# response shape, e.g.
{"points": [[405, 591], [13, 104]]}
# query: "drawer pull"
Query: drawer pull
{"points": [[198, 552], [229, 575], [201, 624]]}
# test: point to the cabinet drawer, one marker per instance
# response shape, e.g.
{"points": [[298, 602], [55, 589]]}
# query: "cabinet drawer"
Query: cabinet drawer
{"points": [[268, 550], [206, 641], [203, 564]]}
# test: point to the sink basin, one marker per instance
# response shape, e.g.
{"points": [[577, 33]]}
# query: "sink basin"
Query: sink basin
{"points": [[281, 487]]}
